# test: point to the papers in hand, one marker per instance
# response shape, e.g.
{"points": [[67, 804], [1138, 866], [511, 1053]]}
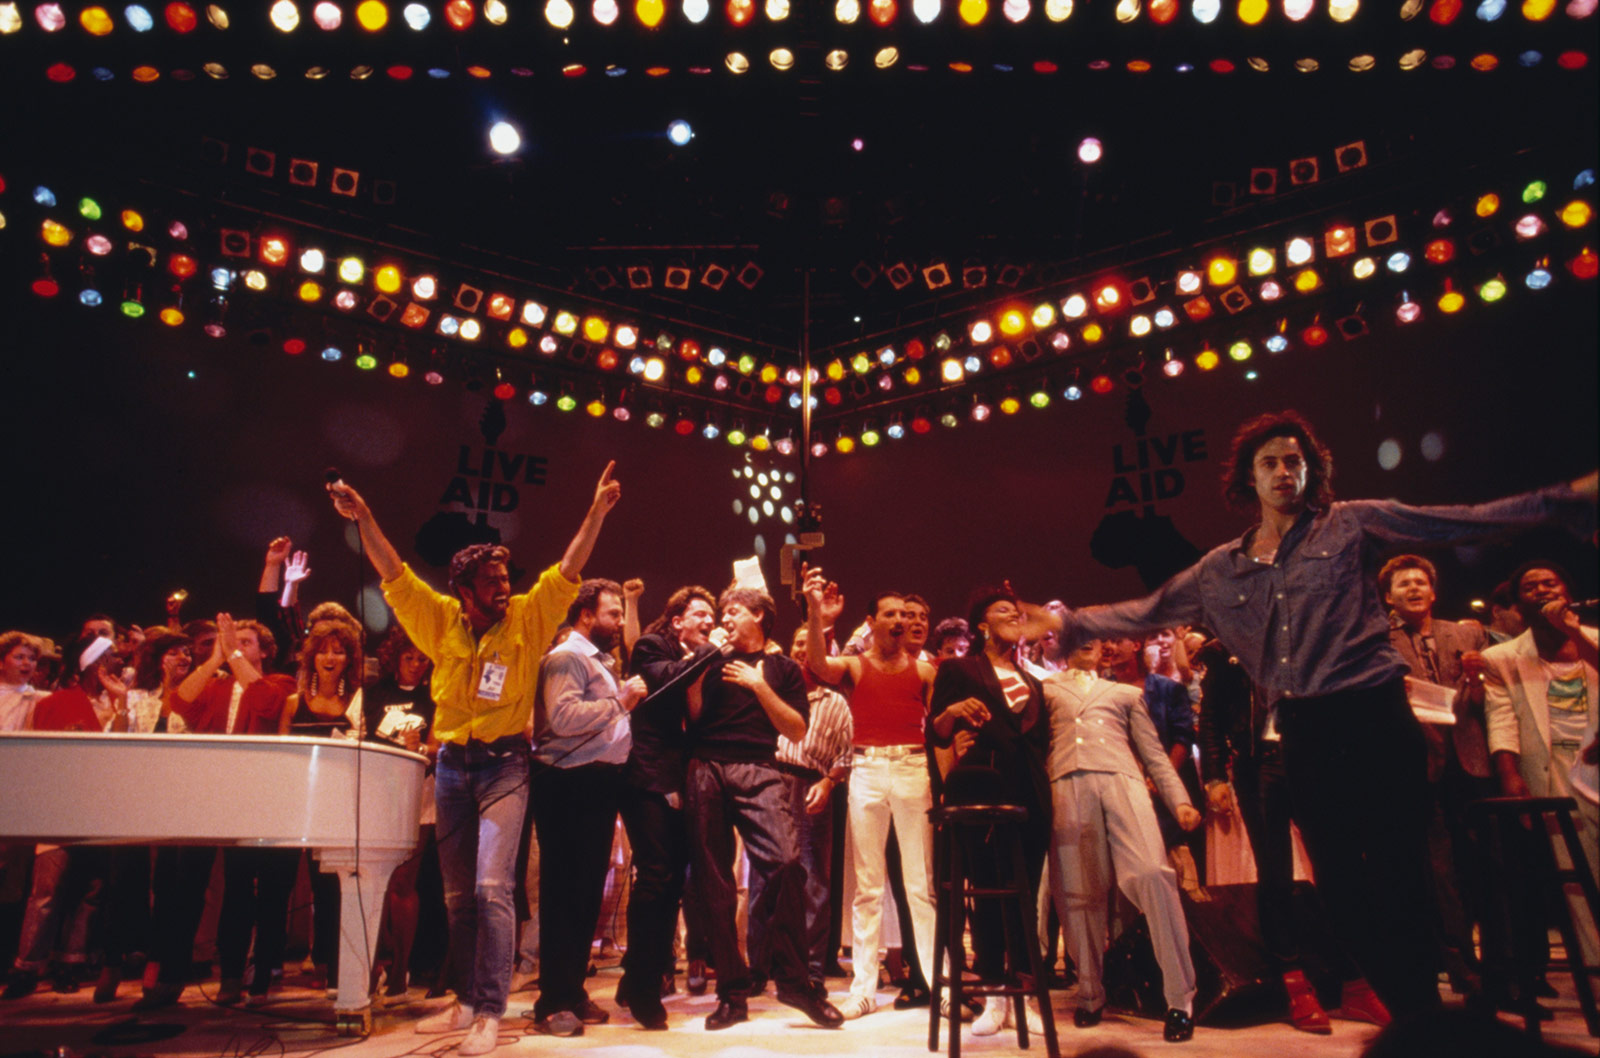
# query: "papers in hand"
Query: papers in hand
{"points": [[1432, 703], [747, 574], [396, 720]]}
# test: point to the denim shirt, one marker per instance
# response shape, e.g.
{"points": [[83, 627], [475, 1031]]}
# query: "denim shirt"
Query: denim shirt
{"points": [[1310, 621]]}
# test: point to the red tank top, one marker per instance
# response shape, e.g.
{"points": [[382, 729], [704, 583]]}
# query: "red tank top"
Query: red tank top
{"points": [[887, 708]]}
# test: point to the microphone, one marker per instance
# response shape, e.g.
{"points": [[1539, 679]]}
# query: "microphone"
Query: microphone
{"points": [[1584, 604], [332, 476]]}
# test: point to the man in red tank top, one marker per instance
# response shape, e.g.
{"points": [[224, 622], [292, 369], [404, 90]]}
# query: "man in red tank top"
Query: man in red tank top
{"points": [[888, 689]]}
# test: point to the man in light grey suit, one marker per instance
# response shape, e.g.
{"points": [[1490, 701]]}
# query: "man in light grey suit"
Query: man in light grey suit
{"points": [[1104, 818]]}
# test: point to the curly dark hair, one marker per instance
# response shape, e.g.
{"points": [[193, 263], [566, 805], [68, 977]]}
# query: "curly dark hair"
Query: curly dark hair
{"points": [[349, 637], [589, 593], [147, 669], [1238, 477], [949, 628], [464, 564], [395, 643], [982, 599]]}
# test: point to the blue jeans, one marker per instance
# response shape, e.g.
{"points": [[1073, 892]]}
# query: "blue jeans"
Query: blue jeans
{"points": [[482, 795]]}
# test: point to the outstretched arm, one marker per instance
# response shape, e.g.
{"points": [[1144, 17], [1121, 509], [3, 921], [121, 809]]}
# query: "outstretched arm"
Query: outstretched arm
{"points": [[606, 494], [348, 502]]}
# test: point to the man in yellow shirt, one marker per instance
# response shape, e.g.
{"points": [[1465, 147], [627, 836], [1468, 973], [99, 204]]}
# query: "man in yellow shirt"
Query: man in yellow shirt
{"points": [[485, 645]]}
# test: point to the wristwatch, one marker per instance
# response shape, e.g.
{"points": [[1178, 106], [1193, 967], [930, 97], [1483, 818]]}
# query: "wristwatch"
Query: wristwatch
{"points": [[237, 653]]}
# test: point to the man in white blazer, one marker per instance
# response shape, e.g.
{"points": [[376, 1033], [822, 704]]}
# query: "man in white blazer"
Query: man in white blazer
{"points": [[1104, 818], [1541, 697]]}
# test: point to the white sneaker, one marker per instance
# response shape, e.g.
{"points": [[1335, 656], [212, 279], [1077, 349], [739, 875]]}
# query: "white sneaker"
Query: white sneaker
{"points": [[995, 1014], [453, 1018], [857, 1006], [482, 1039]]}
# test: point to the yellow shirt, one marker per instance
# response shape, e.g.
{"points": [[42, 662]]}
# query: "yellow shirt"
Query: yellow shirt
{"points": [[436, 625]]}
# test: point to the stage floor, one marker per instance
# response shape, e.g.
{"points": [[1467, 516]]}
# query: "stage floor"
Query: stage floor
{"points": [[299, 1022]]}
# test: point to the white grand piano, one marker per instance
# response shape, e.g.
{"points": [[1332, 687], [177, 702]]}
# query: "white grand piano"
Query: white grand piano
{"points": [[354, 805]]}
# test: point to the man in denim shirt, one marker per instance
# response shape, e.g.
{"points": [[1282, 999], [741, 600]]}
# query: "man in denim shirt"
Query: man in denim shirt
{"points": [[1294, 599]]}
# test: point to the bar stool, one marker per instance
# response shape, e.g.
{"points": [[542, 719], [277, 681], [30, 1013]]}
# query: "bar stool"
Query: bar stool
{"points": [[951, 823], [1512, 864]]}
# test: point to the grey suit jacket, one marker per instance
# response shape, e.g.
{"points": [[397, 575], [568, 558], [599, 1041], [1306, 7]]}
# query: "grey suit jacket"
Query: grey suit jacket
{"points": [[1098, 726], [1451, 639]]}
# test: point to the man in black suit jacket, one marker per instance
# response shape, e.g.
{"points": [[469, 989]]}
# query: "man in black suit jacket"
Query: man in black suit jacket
{"points": [[652, 805]]}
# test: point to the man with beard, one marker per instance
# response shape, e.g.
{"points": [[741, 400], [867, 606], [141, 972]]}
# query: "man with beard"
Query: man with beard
{"points": [[652, 803], [890, 780], [581, 738]]}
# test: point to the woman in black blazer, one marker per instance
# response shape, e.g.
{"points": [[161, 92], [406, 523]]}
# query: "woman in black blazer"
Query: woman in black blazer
{"points": [[988, 714]]}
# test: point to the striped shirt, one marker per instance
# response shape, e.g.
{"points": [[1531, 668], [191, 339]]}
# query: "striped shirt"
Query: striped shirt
{"points": [[1015, 689], [825, 749]]}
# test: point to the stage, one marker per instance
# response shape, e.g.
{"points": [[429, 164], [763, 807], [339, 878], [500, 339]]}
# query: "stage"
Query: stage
{"points": [[299, 1021]]}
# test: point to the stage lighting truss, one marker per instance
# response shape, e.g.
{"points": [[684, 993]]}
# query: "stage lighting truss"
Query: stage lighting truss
{"points": [[1484, 246]]}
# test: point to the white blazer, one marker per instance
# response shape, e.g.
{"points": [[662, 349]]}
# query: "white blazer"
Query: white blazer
{"points": [[1517, 710]]}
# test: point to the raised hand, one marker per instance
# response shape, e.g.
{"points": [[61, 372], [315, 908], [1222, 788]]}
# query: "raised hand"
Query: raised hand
{"points": [[348, 502], [632, 588], [608, 491], [278, 550], [227, 642]]}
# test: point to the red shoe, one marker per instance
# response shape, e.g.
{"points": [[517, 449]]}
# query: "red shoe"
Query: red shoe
{"points": [[1305, 1013], [1361, 1003]]}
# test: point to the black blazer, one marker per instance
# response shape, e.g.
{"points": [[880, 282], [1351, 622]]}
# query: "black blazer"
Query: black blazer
{"points": [[1016, 744], [660, 748]]}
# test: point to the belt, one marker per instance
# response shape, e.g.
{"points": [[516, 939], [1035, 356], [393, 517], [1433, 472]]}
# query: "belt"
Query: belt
{"points": [[888, 752]]}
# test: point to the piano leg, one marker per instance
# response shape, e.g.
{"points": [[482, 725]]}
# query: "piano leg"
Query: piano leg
{"points": [[361, 891]]}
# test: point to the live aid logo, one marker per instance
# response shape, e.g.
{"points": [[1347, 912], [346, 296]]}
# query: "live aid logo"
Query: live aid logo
{"points": [[1148, 469], [498, 474]]}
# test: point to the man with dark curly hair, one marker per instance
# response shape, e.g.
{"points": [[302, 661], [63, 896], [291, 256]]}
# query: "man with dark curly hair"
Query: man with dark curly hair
{"points": [[1295, 600], [485, 645]]}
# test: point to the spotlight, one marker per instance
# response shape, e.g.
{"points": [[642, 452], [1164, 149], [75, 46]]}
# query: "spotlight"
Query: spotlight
{"points": [[1350, 156], [1263, 181], [680, 133], [1303, 171], [1352, 326], [468, 298], [863, 274], [235, 243], [260, 162], [640, 277], [1224, 193], [302, 173], [677, 277], [899, 275], [1381, 230], [714, 276], [1235, 300], [344, 182], [749, 275], [1090, 150], [504, 138], [602, 277], [974, 275], [1010, 275], [936, 275]]}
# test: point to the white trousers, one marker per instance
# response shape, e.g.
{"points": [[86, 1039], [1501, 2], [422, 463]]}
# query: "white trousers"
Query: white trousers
{"points": [[884, 789], [1105, 820]]}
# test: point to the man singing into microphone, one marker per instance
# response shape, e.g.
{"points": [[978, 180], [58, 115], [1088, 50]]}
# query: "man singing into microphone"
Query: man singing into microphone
{"points": [[485, 645]]}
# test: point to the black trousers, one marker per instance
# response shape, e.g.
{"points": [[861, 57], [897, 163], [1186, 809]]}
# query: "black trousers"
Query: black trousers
{"points": [[575, 815], [179, 884], [1357, 774], [1263, 791], [660, 842], [255, 896], [722, 796]]}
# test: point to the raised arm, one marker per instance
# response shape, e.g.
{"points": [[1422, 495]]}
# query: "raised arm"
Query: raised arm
{"points": [[348, 502], [632, 589], [1392, 524], [606, 494], [823, 606]]}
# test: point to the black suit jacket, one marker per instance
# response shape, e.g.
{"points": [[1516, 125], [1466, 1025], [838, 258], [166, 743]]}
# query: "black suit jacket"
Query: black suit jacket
{"points": [[660, 748], [1017, 744]]}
